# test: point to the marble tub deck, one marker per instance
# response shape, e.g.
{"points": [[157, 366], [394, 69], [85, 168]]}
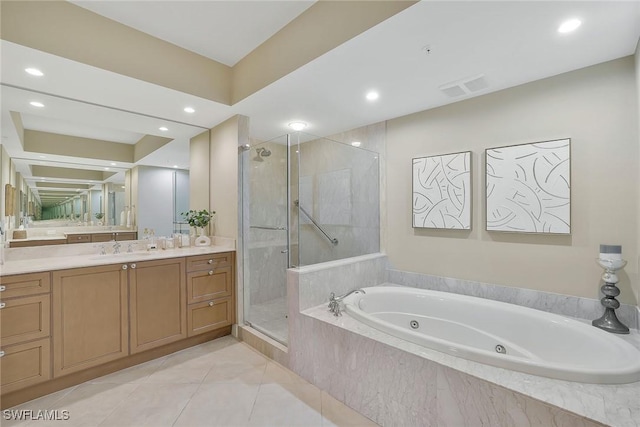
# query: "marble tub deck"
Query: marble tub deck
{"points": [[614, 405]]}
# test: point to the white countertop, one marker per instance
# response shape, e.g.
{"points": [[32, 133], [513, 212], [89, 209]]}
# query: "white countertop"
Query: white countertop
{"points": [[33, 260]]}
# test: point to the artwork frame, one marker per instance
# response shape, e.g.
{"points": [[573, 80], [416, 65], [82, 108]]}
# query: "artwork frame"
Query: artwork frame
{"points": [[528, 188], [448, 206]]}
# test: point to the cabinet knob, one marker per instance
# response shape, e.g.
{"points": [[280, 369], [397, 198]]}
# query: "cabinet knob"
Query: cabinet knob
{"points": [[79, 237], [210, 261], [133, 266], [1, 353], [211, 304], [2, 305], [210, 272], [124, 267], [3, 288]]}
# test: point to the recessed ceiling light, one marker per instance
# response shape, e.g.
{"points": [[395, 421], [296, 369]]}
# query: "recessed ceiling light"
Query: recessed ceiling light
{"points": [[297, 126], [163, 128], [106, 169], [37, 104], [175, 166], [356, 143], [43, 157], [569, 25], [34, 72], [189, 110], [114, 164], [372, 95]]}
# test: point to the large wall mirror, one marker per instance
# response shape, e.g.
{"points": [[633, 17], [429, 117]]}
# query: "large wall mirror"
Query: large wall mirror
{"points": [[72, 162]]}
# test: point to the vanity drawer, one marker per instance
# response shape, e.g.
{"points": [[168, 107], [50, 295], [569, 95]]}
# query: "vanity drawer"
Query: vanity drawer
{"points": [[127, 235], [25, 319], [207, 262], [24, 284], [209, 284], [103, 237], [79, 238], [22, 365], [209, 315]]}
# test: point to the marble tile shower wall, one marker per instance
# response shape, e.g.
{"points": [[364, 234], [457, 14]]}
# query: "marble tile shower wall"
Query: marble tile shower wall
{"points": [[583, 308], [339, 186], [267, 208]]}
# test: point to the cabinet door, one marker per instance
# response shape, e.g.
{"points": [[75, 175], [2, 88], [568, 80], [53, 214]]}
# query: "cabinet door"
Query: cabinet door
{"points": [[90, 324], [23, 365], [25, 319], [208, 285], [158, 303]]}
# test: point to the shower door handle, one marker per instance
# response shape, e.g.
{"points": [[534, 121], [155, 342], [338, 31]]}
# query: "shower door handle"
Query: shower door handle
{"points": [[286, 251]]}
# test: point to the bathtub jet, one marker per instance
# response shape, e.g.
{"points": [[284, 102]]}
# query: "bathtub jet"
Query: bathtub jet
{"points": [[499, 334]]}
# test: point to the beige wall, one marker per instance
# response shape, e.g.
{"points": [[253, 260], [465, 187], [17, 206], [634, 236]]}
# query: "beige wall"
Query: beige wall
{"points": [[637, 64], [199, 171], [597, 110], [223, 173]]}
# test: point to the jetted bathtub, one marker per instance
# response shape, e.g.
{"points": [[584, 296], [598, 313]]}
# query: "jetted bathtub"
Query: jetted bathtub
{"points": [[499, 334]]}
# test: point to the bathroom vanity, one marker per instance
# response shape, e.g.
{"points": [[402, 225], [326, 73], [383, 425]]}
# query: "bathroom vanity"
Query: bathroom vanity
{"points": [[67, 319]]}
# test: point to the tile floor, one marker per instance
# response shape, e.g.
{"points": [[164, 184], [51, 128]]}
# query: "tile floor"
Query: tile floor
{"points": [[220, 383]]}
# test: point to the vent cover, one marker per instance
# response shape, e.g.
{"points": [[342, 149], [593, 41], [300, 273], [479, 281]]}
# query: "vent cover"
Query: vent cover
{"points": [[465, 86]]}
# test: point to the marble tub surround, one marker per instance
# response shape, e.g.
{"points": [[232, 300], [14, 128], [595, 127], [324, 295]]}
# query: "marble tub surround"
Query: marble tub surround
{"points": [[395, 382], [567, 305], [47, 258], [314, 283]]}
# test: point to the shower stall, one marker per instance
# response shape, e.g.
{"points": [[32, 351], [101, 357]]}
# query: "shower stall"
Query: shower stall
{"points": [[306, 200]]}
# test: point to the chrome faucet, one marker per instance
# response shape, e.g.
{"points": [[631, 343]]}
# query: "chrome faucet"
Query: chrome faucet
{"points": [[334, 301], [116, 248]]}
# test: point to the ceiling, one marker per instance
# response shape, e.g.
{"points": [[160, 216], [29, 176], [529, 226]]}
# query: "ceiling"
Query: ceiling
{"points": [[407, 59]]}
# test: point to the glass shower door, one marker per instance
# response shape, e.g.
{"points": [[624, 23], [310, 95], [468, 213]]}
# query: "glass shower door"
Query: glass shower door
{"points": [[266, 238]]}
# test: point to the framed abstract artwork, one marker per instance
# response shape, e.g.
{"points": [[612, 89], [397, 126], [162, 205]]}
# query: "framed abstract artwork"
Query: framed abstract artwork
{"points": [[442, 191], [528, 188]]}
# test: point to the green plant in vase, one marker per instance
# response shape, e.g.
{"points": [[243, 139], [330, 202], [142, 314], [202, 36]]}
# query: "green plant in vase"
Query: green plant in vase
{"points": [[199, 219], [99, 217]]}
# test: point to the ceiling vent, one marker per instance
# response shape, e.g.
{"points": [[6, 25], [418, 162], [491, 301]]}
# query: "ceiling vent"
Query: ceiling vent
{"points": [[465, 86]]}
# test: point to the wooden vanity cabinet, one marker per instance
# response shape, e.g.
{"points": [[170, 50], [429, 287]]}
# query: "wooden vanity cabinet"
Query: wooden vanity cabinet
{"points": [[210, 282], [157, 305], [117, 236], [25, 330], [90, 317]]}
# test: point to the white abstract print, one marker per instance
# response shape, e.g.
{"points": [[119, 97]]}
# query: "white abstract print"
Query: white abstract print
{"points": [[442, 191], [529, 188]]}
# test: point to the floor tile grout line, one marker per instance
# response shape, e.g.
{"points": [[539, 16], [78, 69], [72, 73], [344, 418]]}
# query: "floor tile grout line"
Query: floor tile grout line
{"points": [[119, 403]]}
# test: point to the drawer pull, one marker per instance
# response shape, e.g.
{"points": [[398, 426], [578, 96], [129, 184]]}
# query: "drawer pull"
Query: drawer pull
{"points": [[210, 272], [3, 288], [1, 353], [124, 267], [210, 261], [211, 304], [2, 304], [133, 266], [79, 237]]}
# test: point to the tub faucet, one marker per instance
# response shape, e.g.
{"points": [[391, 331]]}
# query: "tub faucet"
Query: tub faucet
{"points": [[334, 301]]}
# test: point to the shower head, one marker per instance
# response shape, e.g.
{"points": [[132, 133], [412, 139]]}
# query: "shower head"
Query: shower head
{"points": [[260, 153], [263, 152]]}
